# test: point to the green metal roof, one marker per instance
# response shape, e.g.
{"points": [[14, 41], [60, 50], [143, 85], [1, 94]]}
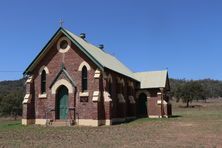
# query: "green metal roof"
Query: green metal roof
{"points": [[98, 56], [105, 59], [152, 79]]}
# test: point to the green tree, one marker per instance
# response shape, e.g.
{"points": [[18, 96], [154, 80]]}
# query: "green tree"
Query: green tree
{"points": [[190, 91]]}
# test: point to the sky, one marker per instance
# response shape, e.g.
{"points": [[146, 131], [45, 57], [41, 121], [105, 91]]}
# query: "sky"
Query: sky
{"points": [[183, 36]]}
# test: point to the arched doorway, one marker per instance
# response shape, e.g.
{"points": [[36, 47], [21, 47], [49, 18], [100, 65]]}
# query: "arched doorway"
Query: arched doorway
{"points": [[142, 105], [61, 102]]}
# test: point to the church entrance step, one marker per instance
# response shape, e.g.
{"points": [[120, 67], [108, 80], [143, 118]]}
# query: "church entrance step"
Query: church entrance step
{"points": [[61, 123]]}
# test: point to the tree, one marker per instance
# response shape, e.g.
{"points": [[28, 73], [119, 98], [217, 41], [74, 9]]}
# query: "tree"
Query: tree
{"points": [[209, 88], [190, 91]]}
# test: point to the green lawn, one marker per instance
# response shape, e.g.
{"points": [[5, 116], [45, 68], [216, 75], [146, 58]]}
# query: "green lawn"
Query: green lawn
{"points": [[200, 126], [9, 124]]}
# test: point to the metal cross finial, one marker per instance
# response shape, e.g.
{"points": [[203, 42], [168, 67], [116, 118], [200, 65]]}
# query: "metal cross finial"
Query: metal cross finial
{"points": [[61, 22]]}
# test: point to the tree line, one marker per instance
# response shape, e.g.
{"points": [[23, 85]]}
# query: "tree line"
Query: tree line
{"points": [[189, 90], [12, 93]]}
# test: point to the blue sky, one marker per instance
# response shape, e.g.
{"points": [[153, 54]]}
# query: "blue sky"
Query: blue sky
{"points": [[184, 36]]}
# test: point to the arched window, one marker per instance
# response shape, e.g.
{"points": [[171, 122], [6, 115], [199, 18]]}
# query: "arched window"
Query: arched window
{"points": [[84, 79], [43, 82]]}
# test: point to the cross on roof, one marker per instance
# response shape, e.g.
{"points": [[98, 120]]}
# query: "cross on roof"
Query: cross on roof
{"points": [[61, 22]]}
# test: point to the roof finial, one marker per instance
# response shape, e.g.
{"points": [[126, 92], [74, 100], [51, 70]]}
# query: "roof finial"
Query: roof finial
{"points": [[61, 22]]}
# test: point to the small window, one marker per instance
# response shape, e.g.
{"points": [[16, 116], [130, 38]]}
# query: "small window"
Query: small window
{"points": [[84, 79], [63, 44], [43, 82]]}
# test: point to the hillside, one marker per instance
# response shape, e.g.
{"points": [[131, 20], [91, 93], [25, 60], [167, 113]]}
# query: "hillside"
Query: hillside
{"points": [[11, 96]]}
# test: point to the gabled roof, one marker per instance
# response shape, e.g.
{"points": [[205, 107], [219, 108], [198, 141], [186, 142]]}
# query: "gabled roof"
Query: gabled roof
{"points": [[152, 79], [105, 59], [98, 56]]}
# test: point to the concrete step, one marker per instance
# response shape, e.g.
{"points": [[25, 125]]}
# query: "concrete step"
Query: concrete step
{"points": [[60, 123]]}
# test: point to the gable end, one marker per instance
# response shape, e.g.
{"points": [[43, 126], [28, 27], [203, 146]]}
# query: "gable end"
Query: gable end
{"points": [[44, 51]]}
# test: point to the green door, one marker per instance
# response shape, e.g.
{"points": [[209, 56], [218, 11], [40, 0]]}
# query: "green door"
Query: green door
{"points": [[62, 102]]}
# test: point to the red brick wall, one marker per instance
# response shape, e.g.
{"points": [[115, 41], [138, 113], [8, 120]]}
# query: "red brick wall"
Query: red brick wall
{"points": [[120, 110], [29, 108], [154, 109], [72, 59]]}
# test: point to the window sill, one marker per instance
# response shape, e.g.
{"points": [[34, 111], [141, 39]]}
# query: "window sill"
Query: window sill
{"points": [[41, 96], [83, 94]]}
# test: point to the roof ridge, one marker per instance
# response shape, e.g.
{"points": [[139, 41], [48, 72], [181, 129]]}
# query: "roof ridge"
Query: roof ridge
{"points": [[150, 71]]}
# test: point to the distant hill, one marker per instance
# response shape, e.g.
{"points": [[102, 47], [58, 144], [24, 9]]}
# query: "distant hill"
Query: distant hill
{"points": [[11, 96], [12, 93]]}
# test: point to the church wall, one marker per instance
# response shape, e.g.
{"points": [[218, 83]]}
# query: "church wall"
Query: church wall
{"points": [[153, 108], [119, 110], [154, 103], [72, 60]]}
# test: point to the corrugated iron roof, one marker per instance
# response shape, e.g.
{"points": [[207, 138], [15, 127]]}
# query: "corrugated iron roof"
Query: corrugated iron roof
{"points": [[152, 79], [105, 59]]}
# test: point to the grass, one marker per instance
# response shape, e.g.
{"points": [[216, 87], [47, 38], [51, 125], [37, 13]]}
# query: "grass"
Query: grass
{"points": [[200, 126], [9, 124]]}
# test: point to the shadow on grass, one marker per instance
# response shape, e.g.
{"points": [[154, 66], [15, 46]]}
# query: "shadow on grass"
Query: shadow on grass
{"points": [[146, 119], [14, 124], [175, 116], [191, 106]]}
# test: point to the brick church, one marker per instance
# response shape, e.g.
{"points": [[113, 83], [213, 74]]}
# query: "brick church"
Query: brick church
{"points": [[76, 83]]}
